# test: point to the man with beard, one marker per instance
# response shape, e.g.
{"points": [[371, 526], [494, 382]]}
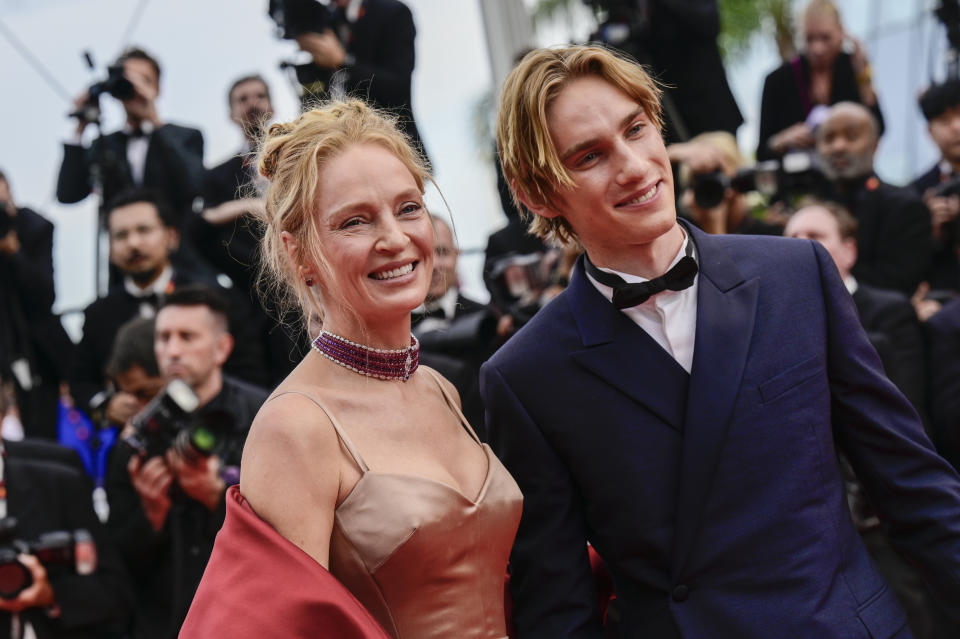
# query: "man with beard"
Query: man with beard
{"points": [[893, 233]]}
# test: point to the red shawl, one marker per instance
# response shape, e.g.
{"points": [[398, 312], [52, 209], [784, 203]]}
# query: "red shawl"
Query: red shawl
{"points": [[258, 584]]}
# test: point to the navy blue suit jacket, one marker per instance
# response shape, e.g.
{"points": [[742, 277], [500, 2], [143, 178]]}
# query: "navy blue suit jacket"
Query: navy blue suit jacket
{"points": [[715, 498]]}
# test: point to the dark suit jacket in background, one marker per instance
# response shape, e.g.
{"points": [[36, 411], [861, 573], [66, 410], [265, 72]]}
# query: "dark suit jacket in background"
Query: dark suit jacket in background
{"points": [[44, 497], [28, 327], [894, 245], [174, 167], [714, 497], [894, 330], [945, 270], [943, 357], [782, 104], [683, 47]]}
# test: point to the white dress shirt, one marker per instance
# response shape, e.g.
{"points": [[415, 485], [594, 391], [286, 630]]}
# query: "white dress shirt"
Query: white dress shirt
{"points": [[137, 148], [669, 317]]}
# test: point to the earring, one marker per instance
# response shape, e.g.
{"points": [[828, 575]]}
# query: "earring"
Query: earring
{"points": [[308, 281]]}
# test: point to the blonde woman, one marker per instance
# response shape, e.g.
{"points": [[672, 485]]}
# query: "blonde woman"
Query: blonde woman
{"points": [[361, 458]]}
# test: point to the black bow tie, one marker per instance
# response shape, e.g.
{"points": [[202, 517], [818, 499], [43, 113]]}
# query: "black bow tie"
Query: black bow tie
{"points": [[625, 295]]}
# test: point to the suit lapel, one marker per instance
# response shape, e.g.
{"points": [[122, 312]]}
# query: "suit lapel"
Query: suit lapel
{"points": [[726, 309], [623, 355]]}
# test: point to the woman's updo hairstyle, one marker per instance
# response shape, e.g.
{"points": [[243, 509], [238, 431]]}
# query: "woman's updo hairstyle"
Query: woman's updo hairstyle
{"points": [[291, 157]]}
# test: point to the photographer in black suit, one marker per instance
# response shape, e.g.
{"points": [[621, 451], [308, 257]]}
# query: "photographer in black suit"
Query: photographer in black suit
{"points": [[369, 46], [147, 152], [166, 508], [939, 187], [45, 496], [35, 352]]}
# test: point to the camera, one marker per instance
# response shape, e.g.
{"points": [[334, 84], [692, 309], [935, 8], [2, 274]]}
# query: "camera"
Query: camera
{"points": [[795, 175], [296, 17], [516, 283], [171, 420], [115, 84], [74, 551]]}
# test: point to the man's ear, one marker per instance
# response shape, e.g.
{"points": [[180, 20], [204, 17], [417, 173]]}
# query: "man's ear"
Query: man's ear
{"points": [[224, 346], [173, 238], [534, 205]]}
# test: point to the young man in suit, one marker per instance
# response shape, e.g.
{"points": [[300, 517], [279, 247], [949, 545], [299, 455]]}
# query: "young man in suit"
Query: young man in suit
{"points": [[686, 423]]}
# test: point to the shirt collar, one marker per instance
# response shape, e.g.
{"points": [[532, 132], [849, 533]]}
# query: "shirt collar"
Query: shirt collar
{"points": [[607, 292], [158, 287]]}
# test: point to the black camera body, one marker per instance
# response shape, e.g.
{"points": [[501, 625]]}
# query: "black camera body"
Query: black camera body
{"points": [[797, 174], [172, 420], [115, 84], [296, 17], [73, 551]]}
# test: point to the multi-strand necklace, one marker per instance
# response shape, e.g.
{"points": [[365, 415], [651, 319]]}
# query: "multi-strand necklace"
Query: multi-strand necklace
{"points": [[381, 363]]}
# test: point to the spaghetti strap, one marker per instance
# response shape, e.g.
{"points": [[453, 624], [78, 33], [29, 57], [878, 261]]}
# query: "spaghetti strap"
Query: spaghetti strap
{"points": [[336, 426], [453, 404]]}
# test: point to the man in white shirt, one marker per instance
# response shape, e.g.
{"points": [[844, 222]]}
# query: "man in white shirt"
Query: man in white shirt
{"points": [[680, 405]]}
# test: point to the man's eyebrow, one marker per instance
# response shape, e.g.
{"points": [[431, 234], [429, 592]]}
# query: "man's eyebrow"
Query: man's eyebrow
{"points": [[579, 146]]}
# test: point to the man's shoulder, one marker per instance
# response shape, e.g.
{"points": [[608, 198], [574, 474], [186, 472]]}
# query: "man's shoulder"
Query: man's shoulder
{"points": [[180, 131], [547, 326], [241, 390], [947, 319], [893, 195], [926, 180], [109, 303]]}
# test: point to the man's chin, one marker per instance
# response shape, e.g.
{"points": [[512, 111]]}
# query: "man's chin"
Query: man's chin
{"points": [[143, 277]]}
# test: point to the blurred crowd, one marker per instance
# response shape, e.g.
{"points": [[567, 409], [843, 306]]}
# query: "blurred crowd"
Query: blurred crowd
{"points": [[182, 348]]}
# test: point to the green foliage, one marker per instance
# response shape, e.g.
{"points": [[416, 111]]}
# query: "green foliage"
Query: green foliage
{"points": [[741, 20]]}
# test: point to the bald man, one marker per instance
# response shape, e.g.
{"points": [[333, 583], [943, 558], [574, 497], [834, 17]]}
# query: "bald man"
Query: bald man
{"points": [[894, 236]]}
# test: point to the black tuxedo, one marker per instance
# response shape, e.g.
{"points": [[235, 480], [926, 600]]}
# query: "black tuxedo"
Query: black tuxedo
{"points": [[44, 497], [28, 328], [381, 42], [894, 330], [174, 167], [233, 248], [786, 99], [894, 245]]}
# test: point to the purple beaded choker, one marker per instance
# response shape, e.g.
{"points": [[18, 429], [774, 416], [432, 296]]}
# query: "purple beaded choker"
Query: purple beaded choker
{"points": [[373, 362]]}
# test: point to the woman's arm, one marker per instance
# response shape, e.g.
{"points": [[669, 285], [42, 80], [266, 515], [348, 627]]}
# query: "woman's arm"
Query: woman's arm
{"points": [[290, 472]]}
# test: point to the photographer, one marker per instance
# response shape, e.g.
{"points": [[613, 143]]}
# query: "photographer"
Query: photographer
{"points": [[166, 508], [368, 46], [711, 202], [35, 352], [61, 602], [940, 186], [147, 152]]}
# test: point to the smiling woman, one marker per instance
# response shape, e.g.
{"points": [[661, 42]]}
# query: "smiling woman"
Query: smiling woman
{"points": [[362, 459]]}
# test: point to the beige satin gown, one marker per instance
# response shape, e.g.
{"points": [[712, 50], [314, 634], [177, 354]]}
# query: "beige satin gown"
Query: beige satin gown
{"points": [[427, 561]]}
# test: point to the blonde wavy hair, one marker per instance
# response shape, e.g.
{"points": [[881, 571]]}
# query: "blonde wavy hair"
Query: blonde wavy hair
{"points": [[291, 156], [529, 158]]}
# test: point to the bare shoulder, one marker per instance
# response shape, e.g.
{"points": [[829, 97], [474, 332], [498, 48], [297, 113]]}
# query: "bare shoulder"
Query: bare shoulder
{"points": [[290, 471], [445, 383]]}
